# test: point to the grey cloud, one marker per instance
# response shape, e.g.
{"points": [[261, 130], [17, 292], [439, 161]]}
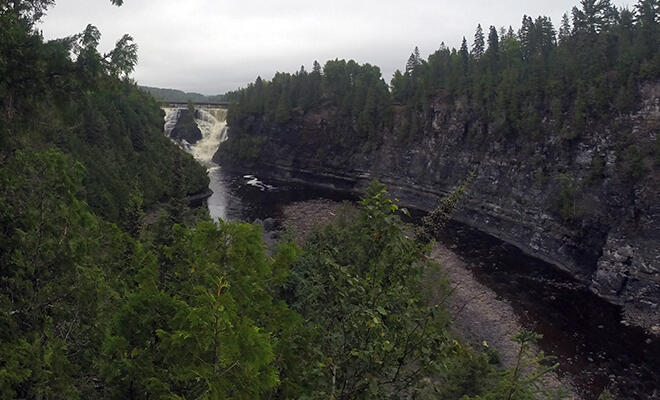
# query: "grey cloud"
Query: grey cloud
{"points": [[212, 46]]}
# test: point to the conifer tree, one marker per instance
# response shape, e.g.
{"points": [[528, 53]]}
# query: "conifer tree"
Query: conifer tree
{"points": [[511, 34], [648, 23], [317, 67], [465, 55], [593, 17], [414, 61], [478, 44], [564, 29], [493, 48], [525, 35], [134, 213]]}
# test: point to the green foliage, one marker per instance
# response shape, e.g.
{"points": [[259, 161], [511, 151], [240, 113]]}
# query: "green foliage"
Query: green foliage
{"points": [[525, 380], [357, 284], [123, 57], [605, 395], [81, 150], [357, 96], [201, 323], [56, 256], [197, 320], [80, 108], [92, 312], [243, 147], [589, 75]]}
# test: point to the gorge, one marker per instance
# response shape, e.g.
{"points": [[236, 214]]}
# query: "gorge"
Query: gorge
{"points": [[482, 224], [544, 298], [576, 203]]}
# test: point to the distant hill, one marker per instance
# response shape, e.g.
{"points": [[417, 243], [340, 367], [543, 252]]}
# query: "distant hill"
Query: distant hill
{"points": [[179, 95]]}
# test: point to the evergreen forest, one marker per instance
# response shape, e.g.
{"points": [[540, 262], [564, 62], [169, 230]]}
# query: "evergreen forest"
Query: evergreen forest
{"points": [[518, 82]]}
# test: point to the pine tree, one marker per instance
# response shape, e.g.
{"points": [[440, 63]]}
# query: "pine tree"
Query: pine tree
{"points": [[648, 24], [478, 45], [414, 61], [398, 86], [134, 213], [564, 29], [317, 68], [525, 35], [493, 48], [28, 12], [593, 17], [648, 13], [465, 55], [178, 204], [545, 36], [123, 57], [511, 34]]}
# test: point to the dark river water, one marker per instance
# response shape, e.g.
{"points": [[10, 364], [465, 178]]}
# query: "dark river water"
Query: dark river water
{"points": [[585, 334]]}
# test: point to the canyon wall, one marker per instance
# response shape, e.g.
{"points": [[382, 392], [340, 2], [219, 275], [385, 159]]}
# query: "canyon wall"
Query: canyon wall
{"points": [[588, 204]]}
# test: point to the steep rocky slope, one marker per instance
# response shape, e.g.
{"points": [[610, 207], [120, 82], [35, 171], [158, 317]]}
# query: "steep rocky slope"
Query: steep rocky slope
{"points": [[589, 205]]}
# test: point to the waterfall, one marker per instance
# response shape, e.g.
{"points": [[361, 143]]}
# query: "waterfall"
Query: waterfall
{"points": [[213, 124], [171, 117]]}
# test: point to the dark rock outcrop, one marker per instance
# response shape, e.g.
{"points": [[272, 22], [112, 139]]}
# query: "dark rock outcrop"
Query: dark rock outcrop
{"points": [[198, 199], [186, 128], [589, 205]]}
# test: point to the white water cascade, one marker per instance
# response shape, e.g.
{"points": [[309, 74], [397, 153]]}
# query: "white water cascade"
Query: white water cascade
{"points": [[213, 124], [171, 116]]}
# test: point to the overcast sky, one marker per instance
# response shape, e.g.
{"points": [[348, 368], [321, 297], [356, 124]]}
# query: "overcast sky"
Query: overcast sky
{"points": [[212, 46]]}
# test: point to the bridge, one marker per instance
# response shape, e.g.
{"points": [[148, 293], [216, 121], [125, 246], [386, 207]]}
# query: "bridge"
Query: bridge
{"points": [[214, 104]]}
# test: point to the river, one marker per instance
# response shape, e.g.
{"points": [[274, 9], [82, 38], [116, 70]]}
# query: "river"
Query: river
{"points": [[584, 332]]}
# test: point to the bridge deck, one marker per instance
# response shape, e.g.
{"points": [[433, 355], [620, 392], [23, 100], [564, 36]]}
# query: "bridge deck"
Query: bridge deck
{"points": [[201, 104]]}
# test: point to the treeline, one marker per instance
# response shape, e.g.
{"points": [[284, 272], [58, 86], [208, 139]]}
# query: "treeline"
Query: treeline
{"points": [[586, 70], [180, 96], [356, 97], [520, 82]]}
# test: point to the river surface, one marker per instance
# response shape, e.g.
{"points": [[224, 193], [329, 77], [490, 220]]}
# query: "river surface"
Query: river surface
{"points": [[584, 332]]}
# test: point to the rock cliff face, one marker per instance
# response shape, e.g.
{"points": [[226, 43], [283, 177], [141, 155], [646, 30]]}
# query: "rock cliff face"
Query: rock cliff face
{"points": [[589, 205], [186, 128]]}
